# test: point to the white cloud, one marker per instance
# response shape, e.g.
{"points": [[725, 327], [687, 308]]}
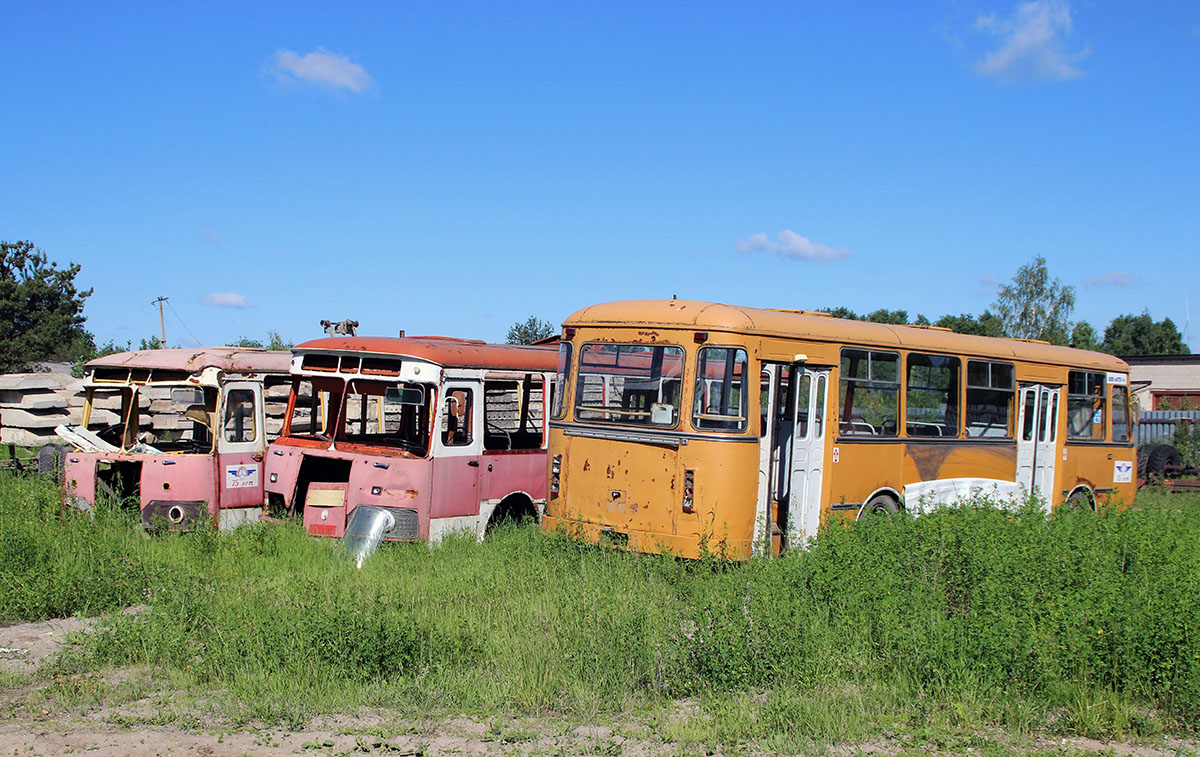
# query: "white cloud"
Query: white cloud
{"points": [[211, 237], [1114, 279], [225, 300], [323, 68], [1032, 43], [789, 244]]}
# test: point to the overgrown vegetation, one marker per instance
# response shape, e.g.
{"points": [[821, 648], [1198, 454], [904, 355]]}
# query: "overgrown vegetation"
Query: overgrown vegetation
{"points": [[962, 621]]}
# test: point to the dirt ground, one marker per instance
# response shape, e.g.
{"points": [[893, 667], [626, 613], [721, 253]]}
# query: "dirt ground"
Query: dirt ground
{"points": [[27, 729]]}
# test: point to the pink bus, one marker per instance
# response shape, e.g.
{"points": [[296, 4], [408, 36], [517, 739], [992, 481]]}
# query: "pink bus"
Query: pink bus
{"points": [[412, 437], [186, 433]]}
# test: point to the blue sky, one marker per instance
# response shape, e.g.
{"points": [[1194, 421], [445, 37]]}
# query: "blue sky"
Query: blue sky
{"points": [[451, 168]]}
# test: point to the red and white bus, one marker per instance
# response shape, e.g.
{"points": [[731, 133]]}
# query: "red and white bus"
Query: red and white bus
{"points": [[420, 436], [187, 434]]}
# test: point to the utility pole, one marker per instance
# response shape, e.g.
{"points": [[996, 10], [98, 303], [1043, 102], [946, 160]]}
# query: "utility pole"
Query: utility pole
{"points": [[162, 322]]}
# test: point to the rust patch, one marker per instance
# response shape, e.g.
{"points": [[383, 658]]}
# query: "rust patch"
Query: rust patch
{"points": [[610, 472], [587, 465], [633, 508], [929, 459]]}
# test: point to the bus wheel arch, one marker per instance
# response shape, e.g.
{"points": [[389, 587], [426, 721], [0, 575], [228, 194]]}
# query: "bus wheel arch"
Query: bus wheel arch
{"points": [[516, 507], [883, 500], [1081, 497]]}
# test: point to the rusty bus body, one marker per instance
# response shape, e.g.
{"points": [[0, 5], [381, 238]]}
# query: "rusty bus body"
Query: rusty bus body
{"points": [[189, 436], [433, 433], [691, 426]]}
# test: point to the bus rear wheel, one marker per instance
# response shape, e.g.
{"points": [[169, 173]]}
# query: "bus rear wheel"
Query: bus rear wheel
{"points": [[1081, 499], [883, 504]]}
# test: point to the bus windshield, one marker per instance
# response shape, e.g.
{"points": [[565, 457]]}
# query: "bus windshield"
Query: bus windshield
{"points": [[387, 414], [635, 384]]}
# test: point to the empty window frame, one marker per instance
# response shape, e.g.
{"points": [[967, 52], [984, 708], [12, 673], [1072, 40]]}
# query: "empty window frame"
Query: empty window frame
{"points": [[1085, 406], [456, 417], [558, 405], [512, 413], [631, 384], [387, 414], [931, 395], [1120, 413], [990, 392], [721, 400], [239, 424], [869, 393]]}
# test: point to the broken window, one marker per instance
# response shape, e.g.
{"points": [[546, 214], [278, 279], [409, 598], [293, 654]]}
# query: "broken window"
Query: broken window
{"points": [[869, 393], [721, 402], [512, 413], [990, 392], [308, 409], [931, 395], [634, 384], [558, 408], [239, 416], [386, 414], [456, 417], [1085, 406], [179, 418]]}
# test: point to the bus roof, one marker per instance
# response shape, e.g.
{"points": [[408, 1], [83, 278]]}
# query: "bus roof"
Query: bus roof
{"points": [[235, 359], [441, 350], [819, 327]]}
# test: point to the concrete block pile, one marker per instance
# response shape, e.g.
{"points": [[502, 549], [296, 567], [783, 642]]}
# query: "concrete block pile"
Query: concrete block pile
{"points": [[33, 404]]}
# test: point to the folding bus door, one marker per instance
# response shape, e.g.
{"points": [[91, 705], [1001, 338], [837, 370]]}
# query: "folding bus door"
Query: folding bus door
{"points": [[1037, 440]]}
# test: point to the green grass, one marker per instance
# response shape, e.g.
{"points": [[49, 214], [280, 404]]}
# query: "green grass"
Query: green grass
{"points": [[935, 631]]}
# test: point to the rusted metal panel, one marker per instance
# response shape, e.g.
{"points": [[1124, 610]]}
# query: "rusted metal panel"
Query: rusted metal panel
{"points": [[445, 351], [1159, 425], [235, 359]]}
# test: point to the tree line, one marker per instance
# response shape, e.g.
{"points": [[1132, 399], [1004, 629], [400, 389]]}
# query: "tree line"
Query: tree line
{"points": [[41, 317], [1033, 305]]}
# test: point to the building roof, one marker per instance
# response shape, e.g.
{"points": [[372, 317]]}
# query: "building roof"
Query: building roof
{"points": [[441, 350], [1161, 359], [234, 359], [820, 327]]}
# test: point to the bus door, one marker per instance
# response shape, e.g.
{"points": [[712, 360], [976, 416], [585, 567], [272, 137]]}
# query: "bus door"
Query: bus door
{"points": [[240, 445], [807, 459], [458, 448], [1037, 442], [775, 433]]}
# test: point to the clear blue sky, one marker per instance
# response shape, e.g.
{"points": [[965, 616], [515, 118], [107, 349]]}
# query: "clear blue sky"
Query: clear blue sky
{"points": [[451, 168]]}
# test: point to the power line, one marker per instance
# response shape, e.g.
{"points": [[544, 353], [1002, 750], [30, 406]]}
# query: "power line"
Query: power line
{"points": [[175, 313]]}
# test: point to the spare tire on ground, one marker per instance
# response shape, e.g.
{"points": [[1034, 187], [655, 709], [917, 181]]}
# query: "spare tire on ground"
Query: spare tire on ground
{"points": [[1143, 459], [1162, 456], [50, 461]]}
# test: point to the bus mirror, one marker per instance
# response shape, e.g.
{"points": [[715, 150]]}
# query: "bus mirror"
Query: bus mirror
{"points": [[404, 395], [186, 395]]}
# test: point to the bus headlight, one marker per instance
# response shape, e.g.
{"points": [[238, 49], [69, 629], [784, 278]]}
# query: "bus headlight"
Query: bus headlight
{"points": [[689, 488]]}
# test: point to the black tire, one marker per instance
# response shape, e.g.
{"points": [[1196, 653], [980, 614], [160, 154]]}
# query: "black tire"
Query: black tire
{"points": [[1081, 499], [883, 504], [516, 510], [1143, 459], [50, 461], [1162, 456]]}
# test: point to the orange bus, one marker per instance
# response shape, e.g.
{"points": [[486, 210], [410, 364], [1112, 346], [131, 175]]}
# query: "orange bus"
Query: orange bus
{"points": [[663, 441]]}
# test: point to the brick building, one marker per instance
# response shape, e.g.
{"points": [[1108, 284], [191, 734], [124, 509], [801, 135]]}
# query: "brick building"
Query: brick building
{"points": [[1165, 382]]}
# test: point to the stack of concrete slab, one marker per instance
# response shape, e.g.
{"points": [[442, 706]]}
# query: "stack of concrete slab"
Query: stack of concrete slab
{"points": [[275, 398], [32, 404]]}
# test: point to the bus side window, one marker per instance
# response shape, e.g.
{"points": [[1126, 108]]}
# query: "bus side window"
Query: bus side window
{"points": [[513, 414], [239, 416], [456, 418]]}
